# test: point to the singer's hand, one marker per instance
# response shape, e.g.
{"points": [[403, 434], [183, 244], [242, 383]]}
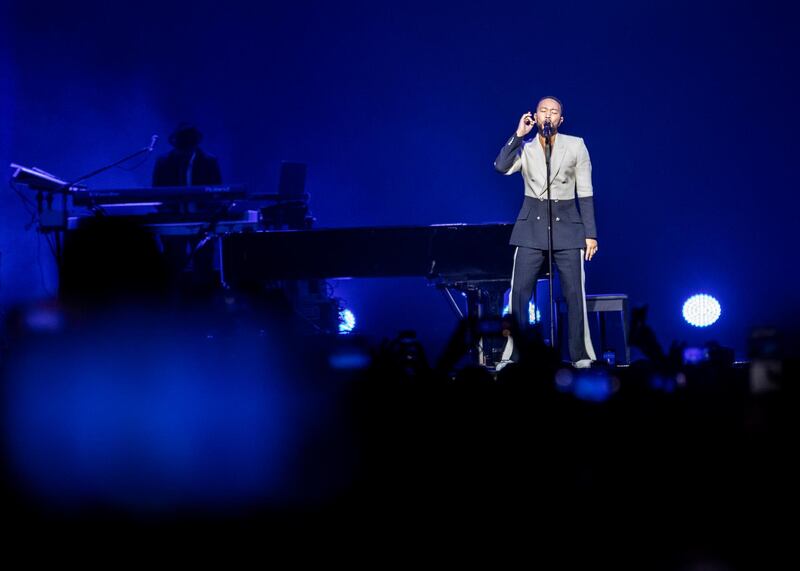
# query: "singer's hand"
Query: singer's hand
{"points": [[526, 123], [591, 248]]}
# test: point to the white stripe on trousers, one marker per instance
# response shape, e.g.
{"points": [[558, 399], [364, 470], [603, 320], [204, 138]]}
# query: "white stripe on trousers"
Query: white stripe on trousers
{"points": [[509, 348], [587, 339]]}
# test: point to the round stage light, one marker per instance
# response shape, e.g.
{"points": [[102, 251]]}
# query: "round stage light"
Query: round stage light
{"points": [[347, 321], [701, 310]]}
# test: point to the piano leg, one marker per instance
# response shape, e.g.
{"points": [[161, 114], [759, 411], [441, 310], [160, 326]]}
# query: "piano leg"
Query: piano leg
{"points": [[484, 303]]}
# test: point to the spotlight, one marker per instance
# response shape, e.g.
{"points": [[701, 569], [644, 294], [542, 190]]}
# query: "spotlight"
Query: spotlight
{"points": [[347, 321], [701, 310]]}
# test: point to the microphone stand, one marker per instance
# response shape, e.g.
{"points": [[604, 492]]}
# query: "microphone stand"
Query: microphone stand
{"points": [[546, 131]]}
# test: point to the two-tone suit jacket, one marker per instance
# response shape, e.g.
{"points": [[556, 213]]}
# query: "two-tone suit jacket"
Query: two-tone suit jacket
{"points": [[570, 191]]}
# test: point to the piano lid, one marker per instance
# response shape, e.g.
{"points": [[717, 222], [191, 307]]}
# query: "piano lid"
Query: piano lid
{"points": [[454, 251]]}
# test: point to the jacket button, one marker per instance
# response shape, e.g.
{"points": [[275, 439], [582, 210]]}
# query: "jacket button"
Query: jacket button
{"points": [[558, 219], [541, 199], [537, 218]]}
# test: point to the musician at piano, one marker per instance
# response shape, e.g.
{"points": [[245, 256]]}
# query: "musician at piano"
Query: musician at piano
{"points": [[574, 228], [186, 164]]}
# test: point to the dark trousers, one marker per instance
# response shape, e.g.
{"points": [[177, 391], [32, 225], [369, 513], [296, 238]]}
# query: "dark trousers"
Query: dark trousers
{"points": [[527, 267]]}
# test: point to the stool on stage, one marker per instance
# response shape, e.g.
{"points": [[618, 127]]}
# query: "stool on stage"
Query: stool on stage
{"points": [[600, 305]]}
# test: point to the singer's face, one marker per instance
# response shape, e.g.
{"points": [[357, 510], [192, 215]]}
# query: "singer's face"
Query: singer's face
{"points": [[548, 109]]}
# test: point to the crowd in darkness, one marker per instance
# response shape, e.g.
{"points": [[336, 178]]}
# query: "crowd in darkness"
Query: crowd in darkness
{"points": [[663, 464]]}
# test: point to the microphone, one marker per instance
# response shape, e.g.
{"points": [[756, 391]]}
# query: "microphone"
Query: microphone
{"points": [[153, 141], [547, 128]]}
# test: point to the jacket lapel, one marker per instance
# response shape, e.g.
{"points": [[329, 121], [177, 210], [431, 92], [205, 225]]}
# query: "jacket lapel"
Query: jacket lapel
{"points": [[557, 157], [537, 156]]}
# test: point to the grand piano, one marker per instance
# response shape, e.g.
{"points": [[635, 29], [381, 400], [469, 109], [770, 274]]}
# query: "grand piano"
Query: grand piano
{"points": [[470, 259]]}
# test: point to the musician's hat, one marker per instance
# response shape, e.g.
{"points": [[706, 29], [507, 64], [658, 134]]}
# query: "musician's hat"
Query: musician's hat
{"points": [[185, 136]]}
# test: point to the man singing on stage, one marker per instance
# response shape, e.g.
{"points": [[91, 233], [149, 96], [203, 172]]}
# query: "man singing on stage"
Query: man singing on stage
{"points": [[574, 231]]}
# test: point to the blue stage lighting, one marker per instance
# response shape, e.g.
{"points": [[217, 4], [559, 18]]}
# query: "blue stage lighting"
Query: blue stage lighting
{"points": [[594, 385], [347, 321], [349, 359], [132, 419], [534, 315], [701, 310]]}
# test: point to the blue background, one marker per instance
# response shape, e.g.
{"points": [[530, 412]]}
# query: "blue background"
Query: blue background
{"points": [[687, 109]]}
